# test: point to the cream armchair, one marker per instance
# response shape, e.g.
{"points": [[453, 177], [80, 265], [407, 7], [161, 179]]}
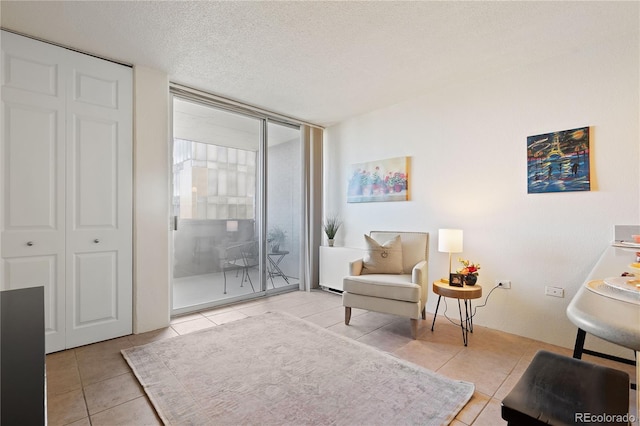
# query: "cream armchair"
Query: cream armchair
{"points": [[403, 293]]}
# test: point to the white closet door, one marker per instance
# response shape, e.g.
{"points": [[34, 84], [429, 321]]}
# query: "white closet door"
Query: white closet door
{"points": [[67, 188], [33, 177], [99, 200]]}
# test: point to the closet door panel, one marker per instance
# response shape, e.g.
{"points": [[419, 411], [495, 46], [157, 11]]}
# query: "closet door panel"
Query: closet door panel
{"points": [[97, 89], [24, 71], [36, 271], [95, 160], [96, 288], [33, 176], [99, 201]]}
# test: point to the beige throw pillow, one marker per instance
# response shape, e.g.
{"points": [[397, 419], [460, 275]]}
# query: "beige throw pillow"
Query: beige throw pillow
{"points": [[383, 258]]}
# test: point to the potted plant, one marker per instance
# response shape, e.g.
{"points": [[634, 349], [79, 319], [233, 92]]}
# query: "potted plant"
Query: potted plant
{"points": [[331, 226], [275, 237]]}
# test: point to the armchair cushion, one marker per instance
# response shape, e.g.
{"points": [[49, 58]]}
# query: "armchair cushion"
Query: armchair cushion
{"points": [[415, 246], [385, 258], [395, 287]]}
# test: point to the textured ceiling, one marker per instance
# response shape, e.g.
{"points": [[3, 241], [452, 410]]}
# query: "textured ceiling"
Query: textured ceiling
{"points": [[323, 61]]}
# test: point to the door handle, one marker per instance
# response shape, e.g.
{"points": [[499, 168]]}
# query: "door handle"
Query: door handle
{"points": [[175, 223], [29, 243]]}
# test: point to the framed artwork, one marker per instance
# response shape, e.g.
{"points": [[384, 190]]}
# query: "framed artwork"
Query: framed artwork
{"points": [[382, 180], [559, 161], [456, 280]]}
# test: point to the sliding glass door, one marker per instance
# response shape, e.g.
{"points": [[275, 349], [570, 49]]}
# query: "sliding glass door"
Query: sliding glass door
{"points": [[284, 206], [228, 206]]}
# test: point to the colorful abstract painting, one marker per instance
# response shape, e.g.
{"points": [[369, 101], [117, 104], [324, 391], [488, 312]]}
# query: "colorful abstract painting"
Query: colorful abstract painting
{"points": [[558, 162], [383, 180]]}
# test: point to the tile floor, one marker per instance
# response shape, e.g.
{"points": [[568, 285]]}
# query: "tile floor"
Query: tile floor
{"points": [[93, 385]]}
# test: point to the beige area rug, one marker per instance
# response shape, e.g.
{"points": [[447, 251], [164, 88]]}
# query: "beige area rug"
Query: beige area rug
{"points": [[276, 369]]}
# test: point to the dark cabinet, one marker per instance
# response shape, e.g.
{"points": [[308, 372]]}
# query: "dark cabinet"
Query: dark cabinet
{"points": [[22, 357]]}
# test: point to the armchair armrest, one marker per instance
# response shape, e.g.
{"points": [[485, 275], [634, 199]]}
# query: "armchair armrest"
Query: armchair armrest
{"points": [[355, 267], [419, 274]]}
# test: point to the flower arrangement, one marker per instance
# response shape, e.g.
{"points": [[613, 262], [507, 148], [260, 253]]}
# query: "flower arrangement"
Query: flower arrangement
{"points": [[468, 268], [396, 181], [365, 178], [376, 179]]}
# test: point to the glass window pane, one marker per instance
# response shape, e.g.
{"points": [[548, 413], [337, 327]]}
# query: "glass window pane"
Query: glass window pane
{"points": [[207, 147], [222, 154], [232, 156], [284, 204], [222, 182]]}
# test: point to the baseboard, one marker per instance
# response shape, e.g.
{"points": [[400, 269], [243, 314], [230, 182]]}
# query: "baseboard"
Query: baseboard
{"points": [[331, 290]]}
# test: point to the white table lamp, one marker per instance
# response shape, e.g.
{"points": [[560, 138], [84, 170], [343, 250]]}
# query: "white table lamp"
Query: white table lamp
{"points": [[450, 241]]}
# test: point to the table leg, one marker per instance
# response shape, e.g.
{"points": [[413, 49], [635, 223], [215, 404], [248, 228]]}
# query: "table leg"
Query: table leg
{"points": [[275, 266], [471, 317], [436, 314], [270, 272], [579, 345], [466, 313], [280, 270], [463, 324]]}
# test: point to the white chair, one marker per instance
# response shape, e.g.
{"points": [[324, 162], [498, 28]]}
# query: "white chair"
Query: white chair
{"points": [[404, 293]]}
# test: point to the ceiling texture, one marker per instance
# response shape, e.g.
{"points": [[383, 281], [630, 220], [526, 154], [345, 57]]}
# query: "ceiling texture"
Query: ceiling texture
{"points": [[323, 62]]}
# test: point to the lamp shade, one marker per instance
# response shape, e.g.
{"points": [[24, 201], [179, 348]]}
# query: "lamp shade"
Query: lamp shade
{"points": [[450, 240]]}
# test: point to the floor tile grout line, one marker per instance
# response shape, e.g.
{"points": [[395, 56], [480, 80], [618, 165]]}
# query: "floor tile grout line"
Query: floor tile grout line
{"points": [[82, 388], [144, 395]]}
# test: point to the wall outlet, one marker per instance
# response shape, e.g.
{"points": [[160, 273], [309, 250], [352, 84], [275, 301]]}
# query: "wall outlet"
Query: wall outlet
{"points": [[503, 283], [554, 291]]}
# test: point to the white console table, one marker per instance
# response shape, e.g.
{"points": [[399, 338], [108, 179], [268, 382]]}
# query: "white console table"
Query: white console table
{"points": [[334, 265]]}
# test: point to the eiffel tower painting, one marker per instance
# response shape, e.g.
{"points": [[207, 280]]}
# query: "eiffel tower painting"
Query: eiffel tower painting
{"points": [[559, 161]]}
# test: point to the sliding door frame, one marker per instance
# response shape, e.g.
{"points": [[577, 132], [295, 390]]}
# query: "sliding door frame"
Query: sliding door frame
{"points": [[261, 214]]}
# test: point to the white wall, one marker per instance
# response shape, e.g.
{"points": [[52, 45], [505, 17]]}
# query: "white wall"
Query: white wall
{"points": [[152, 302], [467, 145]]}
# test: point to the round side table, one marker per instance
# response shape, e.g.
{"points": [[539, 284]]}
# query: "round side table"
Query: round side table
{"points": [[465, 293]]}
